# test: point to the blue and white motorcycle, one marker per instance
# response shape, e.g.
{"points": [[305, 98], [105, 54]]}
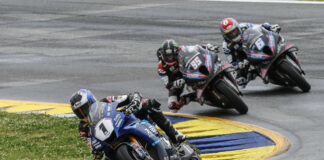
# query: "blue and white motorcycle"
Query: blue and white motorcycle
{"points": [[122, 136]]}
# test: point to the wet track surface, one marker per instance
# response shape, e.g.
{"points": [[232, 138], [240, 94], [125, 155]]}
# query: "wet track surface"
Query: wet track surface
{"points": [[50, 49]]}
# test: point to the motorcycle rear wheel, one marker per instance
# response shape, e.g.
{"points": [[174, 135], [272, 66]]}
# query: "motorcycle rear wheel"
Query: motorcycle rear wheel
{"points": [[295, 76], [231, 97]]}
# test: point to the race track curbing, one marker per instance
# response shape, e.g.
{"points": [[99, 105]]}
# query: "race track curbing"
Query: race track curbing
{"points": [[216, 138]]}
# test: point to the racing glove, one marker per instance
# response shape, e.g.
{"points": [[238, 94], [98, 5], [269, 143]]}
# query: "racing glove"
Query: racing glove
{"points": [[275, 28], [178, 83], [211, 47], [134, 105], [137, 97], [83, 132], [243, 64]]}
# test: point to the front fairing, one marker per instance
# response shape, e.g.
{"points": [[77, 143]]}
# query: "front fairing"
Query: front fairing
{"points": [[106, 112], [260, 44], [262, 48], [124, 125], [219, 70], [196, 64], [142, 129]]}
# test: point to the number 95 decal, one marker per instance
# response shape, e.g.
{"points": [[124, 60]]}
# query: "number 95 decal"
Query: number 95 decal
{"points": [[195, 63]]}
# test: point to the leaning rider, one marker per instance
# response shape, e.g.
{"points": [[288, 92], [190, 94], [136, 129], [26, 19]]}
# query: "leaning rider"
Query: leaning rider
{"points": [[168, 69], [85, 105], [232, 32]]}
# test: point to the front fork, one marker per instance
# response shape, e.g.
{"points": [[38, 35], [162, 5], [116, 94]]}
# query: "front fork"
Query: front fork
{"points": [[293, 57], [143, 154], [229, 75], [138, 148]]}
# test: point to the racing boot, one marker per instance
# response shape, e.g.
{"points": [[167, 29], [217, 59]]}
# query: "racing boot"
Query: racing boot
{"points": [[175, 136], [164, 123], [174, 104], [241, 81]]}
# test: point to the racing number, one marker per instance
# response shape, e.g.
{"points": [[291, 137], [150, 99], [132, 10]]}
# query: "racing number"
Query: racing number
{"points": [[103, 129], [259, 44], [195, 62]]}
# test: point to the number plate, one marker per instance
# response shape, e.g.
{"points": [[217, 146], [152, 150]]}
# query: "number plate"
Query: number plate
{"points": [[195, 63], [103, 129], [259, 44]]}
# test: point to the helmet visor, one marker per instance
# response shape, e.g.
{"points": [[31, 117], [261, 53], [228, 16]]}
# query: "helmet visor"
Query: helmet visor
{"points": [[82, 111], [169, 56], [233, 34]]}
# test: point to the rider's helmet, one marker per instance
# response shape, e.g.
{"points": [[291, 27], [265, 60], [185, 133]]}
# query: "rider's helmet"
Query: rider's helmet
{"points": [[230, 30], [170, 51], [81, 102]]}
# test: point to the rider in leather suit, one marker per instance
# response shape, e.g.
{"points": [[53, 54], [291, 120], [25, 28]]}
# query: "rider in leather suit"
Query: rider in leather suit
{"points": [[232, 32], [168, 69], [88, 110]]}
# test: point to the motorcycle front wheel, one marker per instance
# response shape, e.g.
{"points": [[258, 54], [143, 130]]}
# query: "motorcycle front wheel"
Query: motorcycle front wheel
{"points": [[125, 152], [230, 97], [295, 76]]}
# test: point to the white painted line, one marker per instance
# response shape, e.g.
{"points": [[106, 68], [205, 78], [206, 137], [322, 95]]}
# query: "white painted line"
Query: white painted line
{"points": [[118, 9], [266, 1]]}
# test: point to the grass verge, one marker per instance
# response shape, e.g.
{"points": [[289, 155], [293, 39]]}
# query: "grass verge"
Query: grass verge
{"points": [[38, 136]]}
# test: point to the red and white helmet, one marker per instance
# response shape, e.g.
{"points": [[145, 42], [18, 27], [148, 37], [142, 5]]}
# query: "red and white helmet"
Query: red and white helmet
{"points": [[230, 30]]}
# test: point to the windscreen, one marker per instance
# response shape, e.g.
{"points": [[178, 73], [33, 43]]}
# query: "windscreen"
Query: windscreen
{"points": [[187, 55], [250, 36]]}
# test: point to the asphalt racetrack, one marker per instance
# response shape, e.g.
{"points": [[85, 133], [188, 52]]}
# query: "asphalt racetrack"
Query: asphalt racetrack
{"points": [[50, 49]]}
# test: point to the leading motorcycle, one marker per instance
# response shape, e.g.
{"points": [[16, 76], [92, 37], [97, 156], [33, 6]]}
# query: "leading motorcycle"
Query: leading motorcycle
{"points": [[123, 136], [272, 59]]}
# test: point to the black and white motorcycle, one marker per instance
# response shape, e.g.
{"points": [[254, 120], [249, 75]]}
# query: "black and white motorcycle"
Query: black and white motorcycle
{"points": [[272, 59], [213, 82]]}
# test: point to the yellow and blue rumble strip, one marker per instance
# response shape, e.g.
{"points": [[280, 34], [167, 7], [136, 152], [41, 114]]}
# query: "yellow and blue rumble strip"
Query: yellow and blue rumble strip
{"points": [[216, 138]]}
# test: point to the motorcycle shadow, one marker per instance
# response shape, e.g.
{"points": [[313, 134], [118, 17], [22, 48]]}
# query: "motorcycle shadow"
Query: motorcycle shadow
{"points": [[279, 90], [217, 112]]}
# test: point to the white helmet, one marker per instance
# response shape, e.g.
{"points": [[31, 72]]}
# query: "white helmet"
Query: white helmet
{"points": [[81, 102]]}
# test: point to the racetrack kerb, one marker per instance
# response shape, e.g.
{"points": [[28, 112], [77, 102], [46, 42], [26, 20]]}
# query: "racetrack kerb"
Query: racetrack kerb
{"points": [[237, 140]]}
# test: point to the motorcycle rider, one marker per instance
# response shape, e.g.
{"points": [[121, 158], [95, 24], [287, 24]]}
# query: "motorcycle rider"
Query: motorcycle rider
{"points": [[232, 32], [88, 110], [168, 69]]}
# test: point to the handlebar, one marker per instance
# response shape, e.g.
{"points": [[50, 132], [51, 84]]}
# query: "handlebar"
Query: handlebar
{"points": [[130, 108]]}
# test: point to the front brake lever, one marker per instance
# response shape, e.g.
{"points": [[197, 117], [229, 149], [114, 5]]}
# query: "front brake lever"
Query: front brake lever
{"points": [[127, 110]]}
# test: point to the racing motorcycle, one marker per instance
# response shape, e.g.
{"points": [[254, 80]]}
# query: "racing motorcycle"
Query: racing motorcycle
{"points": [[272, 59], [123, 136], [213, 82]]}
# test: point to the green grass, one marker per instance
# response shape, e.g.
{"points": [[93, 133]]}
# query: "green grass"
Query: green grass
{"points": [[37, 136]]}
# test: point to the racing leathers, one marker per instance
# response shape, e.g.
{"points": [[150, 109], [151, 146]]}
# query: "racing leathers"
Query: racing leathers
{"points": [[174, 82], [144, 109], [236, 56]]}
